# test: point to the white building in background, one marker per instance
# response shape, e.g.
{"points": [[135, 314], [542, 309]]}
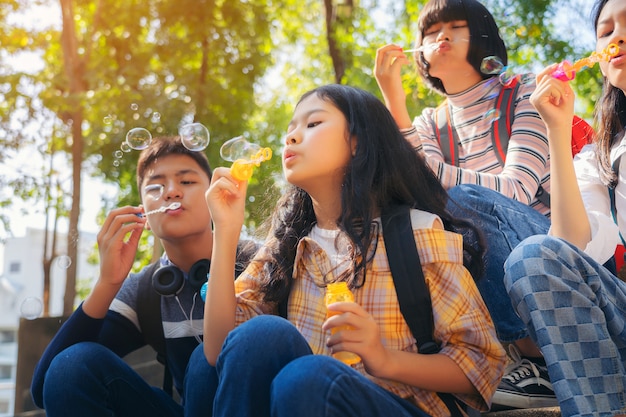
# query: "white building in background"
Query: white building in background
{"points": [[21, 294]]}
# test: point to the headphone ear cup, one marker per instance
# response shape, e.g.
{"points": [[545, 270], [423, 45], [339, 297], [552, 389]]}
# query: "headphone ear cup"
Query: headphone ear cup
{"points": [[168, 281], [198, 273]]}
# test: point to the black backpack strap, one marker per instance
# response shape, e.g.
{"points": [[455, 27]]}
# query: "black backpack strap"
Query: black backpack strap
{"points": [[151, 323], [612, 198], [446, 134], [543, 196], [408, 278]]}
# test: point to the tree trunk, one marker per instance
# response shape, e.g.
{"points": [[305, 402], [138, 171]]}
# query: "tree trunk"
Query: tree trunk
{"points": [[47, 257], [333, 21], [74, 72], [333, 49]]}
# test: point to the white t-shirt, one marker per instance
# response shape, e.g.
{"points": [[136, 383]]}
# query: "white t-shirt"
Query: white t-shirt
{"points": [[339, 251], [604, 231]]}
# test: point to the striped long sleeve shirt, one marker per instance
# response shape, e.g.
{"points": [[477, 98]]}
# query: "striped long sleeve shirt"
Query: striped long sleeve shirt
{"points": [[527, 162]]}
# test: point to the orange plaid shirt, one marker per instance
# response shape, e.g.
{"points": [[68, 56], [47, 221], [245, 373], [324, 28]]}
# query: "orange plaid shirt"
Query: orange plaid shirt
{"points": [[463, 325]]}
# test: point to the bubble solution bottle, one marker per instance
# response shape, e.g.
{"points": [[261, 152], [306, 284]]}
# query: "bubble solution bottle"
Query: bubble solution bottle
{"points": [[336, 292]]}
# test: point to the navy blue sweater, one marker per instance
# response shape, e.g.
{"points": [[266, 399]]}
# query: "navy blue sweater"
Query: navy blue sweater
{"points": [[120, 332]]}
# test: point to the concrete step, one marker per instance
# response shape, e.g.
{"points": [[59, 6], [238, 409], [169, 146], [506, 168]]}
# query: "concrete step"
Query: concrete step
{"points": [[528, 412]]}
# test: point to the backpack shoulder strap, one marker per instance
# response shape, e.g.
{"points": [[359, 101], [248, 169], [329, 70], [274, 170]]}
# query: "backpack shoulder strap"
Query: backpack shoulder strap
{"points": [[446, 134], [151, 323], [612, 197], [501, 127], [149, 311], [408, 278]]}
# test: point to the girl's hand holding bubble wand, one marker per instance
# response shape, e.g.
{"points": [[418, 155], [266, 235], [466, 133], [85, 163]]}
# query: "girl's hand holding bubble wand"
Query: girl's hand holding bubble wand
{"points": [[244, 156], [566, 71]]}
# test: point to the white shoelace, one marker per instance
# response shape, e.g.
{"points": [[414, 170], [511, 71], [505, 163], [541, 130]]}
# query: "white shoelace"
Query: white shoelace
{"points": [[520, 368], [523, 369]]}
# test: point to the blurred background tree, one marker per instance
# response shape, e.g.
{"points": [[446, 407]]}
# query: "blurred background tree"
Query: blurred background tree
{"points": [[236, 67]]}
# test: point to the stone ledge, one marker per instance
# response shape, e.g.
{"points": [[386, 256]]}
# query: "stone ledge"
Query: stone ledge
{"points": [[529, 412]]}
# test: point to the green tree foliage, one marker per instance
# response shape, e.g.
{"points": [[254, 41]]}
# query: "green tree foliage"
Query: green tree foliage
{"points": [[237, 67], [113, 66]]}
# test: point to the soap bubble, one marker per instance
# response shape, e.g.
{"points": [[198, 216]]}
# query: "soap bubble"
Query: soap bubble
{"points": [[507, 77], [238, 148], [492, 115], [31, 308], [138, 138], [491, 65], [194, 136], [527, 78], [153, 191], [63, 261]]}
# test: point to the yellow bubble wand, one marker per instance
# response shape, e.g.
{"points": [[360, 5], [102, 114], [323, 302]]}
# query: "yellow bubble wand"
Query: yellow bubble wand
{"points": [[244, 156], [566, 71]]}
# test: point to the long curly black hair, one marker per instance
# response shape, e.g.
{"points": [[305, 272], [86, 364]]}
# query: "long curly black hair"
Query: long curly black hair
{"points": [[385, 171]]}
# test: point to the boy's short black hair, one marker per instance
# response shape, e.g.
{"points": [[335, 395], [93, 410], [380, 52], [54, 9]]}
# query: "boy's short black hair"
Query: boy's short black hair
{"points": [[163, 146], [485, 40]]}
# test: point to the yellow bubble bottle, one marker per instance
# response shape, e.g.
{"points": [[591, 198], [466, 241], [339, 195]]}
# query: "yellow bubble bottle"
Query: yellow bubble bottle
{"points": [[336, 292]]}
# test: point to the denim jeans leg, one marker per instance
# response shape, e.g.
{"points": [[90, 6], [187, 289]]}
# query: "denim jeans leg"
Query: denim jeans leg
{"points": [[200, 385], [252, 355], [576, 313], [87, 379], [320, 386], [504, 223]]}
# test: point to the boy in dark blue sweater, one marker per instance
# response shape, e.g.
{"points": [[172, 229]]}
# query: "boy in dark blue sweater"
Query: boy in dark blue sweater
{"points": [[81, 373]]}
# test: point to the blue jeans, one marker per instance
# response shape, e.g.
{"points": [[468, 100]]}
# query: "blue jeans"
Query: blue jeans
{"points": [[266, 368], [504, 223], [575, 310], [88, 379]]}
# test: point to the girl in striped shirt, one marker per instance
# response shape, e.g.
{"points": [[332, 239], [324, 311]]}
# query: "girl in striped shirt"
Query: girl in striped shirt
{"points": [[455, 38]]}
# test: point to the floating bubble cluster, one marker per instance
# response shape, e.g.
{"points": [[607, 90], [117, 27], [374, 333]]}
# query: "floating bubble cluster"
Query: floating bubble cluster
{"points": [[194, 136]]}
